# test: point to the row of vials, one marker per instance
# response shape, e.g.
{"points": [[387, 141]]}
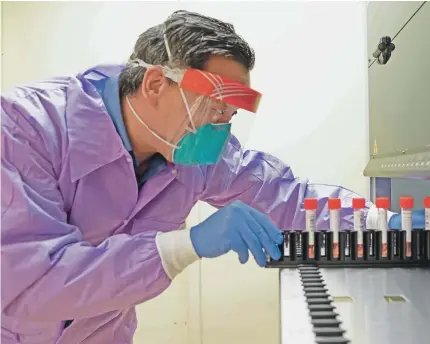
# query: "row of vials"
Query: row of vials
{"points": [[360, 243]]}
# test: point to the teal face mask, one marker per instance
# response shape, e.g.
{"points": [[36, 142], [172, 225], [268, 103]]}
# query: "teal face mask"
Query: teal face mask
{"points": [[200, 146], [203, 147]]}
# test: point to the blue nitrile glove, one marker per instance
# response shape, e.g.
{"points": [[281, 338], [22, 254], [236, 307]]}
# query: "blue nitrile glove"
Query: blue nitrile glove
{"points": [[240, 228], [417, 220]]}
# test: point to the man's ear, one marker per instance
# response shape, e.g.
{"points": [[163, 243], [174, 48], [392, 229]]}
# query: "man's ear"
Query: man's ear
{"points": [[154, 84]]}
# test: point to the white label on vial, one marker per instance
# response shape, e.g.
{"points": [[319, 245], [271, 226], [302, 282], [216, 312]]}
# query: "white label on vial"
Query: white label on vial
{"points": [[360, 238], [384, 237], [407, 223], [334, 220], [335, 237], [382, 220], [311, 240], [310, 224], [358, 220], [427, 219], [310, 220], [359, 225]]}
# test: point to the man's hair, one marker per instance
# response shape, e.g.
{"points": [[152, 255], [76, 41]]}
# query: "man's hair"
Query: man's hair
{"points": [[192, 39]]}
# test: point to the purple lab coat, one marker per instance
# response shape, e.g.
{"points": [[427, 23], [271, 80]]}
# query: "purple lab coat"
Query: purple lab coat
{"points": [[78, 237]]}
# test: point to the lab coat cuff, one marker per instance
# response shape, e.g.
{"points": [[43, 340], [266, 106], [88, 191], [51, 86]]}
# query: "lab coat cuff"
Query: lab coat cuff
{"points": [[176, 251], [372, 217]]}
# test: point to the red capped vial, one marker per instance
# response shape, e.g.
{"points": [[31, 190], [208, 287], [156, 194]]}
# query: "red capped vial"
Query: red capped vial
{"points": [[358, 205], [427, 213], [334, 205], [406, 205], [311, 205], [383, 204]]}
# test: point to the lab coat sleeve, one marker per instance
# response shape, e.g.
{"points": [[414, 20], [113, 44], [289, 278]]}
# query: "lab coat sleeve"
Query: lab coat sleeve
{"points": [[49, 273], [267, 184]]}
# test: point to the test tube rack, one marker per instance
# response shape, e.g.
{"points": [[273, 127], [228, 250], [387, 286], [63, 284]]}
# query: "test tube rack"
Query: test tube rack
{"points": [[294, 250]]}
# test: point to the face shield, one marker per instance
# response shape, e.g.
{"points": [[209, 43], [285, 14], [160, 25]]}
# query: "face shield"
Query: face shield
{"points": [[210, 101]]}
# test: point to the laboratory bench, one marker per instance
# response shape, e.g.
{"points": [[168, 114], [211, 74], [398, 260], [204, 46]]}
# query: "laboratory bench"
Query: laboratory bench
{"points": [[371, 298], [358, 306]]}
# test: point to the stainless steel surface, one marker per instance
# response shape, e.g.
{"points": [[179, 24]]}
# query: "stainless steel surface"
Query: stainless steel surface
{"points": [[399, 102], [295, 321], [369, 318]]}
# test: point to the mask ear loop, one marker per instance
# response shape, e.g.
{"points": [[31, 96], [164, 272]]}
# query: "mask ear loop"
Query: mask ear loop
{"points": [[193, 128], [187, 107], [147, 127]]}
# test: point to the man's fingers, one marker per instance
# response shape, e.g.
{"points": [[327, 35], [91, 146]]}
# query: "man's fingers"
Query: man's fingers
{"points": [[254, 244], [240, 247], [274, 233], [270, 246]]}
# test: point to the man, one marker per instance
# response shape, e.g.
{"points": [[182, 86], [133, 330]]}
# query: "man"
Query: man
{"points": [[100, 170]]}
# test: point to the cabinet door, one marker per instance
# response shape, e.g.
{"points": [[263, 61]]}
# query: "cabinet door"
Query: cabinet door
{"points": [[385, 18]]}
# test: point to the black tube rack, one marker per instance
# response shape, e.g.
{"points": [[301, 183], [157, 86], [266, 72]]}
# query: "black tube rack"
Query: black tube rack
{"points": [[295, 250]]}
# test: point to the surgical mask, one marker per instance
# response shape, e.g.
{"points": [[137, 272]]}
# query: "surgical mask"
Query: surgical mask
{"points": [[200, 147], [203, 145]]}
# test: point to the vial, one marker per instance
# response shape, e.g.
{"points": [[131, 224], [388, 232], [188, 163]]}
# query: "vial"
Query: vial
{"points": [[427, 213], [311, 205], [334, 207], [358, 204], [383, 204], [406, 205]]}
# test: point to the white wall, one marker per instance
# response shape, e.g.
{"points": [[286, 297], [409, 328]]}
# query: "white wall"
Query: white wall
{"points": [[311, 69]]}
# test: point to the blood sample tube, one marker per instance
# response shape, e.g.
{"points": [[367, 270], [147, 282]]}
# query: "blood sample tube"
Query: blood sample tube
{"points": [[426, 234], [358, 204], [334, 207], [383, 204], [311, 205], [427, 213], [406, 205]]}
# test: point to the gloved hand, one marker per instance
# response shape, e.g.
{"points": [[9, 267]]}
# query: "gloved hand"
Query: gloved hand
{"points": [[240, 228], [417, 220]]}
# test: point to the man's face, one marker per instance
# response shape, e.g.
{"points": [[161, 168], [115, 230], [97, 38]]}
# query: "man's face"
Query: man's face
{"points": [[172, 117]]}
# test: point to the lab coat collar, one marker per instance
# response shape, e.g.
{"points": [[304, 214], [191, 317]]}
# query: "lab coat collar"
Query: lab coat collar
{"points": [[93, 140]]}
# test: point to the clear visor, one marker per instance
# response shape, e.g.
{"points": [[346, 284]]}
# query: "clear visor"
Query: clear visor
{"points": [[206, 110], [197, 111]]}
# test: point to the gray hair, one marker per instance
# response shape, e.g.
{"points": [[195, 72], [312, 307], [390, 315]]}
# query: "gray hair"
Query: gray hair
{"points": [[192, 38]]}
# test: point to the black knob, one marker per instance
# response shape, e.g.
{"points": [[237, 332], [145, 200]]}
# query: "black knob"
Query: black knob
{"points": [[383, 51]]}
